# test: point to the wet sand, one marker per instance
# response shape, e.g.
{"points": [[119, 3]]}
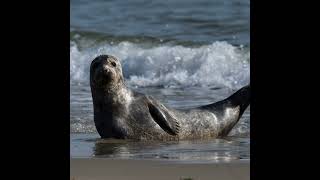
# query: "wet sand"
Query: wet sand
{"points": [[94, 169]]}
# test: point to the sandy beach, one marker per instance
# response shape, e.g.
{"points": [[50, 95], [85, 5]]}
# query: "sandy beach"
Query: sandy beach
{"points": [[94, 169]]}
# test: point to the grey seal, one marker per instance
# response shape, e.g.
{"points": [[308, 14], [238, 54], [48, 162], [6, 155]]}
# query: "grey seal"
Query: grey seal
{"points": [[125, 114]]}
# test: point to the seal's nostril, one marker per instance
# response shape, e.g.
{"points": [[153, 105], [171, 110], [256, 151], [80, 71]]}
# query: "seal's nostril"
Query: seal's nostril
{"points": [[105, 68]]}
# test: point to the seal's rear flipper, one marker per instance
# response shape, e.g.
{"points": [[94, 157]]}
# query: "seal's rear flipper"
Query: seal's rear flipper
{"points": [[241, 97], [235, 104], [163, 118]]}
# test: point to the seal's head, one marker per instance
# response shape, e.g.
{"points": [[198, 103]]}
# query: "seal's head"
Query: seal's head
{"points": [[105, 71]]}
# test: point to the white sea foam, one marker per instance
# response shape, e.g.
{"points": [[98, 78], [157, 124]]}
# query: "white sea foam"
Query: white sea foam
{"points": [[218, 64]]}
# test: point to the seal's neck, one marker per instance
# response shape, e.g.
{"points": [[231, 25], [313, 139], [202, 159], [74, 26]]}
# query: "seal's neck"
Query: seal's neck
{"points": [[107, 98]]}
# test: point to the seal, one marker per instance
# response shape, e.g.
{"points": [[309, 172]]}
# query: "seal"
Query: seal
{"points": [[125, 114]]}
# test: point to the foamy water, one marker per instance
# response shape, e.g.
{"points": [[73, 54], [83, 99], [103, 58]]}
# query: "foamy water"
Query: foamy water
{"points": [[217, 64]]}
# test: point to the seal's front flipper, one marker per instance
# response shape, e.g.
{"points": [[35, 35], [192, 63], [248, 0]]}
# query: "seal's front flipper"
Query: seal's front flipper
{"points": [[163, 118]]}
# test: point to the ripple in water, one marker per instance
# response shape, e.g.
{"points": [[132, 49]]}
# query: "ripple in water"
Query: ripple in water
{"points": [[216, 150]]}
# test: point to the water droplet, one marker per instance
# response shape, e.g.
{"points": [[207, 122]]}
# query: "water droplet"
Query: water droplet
{"points": [[177, 58]]}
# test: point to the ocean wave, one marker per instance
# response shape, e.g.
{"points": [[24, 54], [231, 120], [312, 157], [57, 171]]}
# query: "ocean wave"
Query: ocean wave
{"points": [[216, 64]]}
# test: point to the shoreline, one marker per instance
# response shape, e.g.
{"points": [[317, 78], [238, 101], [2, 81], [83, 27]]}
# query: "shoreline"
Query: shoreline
{"points": [[123, 169]]}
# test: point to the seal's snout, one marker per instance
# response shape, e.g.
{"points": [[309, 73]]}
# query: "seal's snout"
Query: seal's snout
{"points": [[106, 68]]}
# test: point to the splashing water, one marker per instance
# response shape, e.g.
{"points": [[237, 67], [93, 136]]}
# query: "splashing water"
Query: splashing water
{"points": [[218, 64]]}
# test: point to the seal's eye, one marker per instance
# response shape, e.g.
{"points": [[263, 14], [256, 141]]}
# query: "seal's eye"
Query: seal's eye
{"points": [[113, 64]]}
